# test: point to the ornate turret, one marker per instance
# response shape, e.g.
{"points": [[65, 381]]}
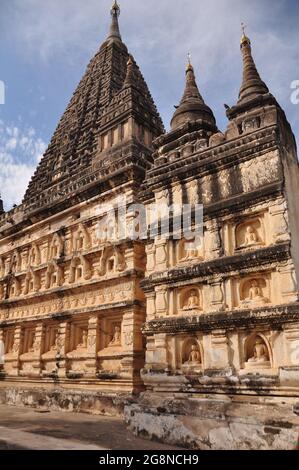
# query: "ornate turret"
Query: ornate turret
{"points": [[114, 33], [252, 84], [254, 93], [192, 106]]}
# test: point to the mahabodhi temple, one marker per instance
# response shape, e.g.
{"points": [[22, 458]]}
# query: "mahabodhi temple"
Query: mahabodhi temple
{"points": [[194, 345]]}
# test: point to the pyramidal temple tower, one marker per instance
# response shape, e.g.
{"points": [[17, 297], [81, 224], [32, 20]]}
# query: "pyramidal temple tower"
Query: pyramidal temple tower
{"points": [[200, 334], [71, 304]]}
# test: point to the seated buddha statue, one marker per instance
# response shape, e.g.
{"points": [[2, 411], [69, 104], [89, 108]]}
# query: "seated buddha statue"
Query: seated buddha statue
{"points": [[192, 302], [260, 354], [116, 340], [251, 237], [255, 293], [83, 343], [194, 356]]}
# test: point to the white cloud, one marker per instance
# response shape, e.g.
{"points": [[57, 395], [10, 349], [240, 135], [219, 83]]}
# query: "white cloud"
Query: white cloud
{"points": [[20, 152]]}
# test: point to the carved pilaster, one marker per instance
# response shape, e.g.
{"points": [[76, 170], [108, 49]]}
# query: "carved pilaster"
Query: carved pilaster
{"points": [[218, 357], [63, 337], [161, 300], [91, 362], [162, 255], [217, 299], [279, 223]]}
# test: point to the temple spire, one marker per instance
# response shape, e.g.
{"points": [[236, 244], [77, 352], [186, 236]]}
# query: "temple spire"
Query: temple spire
{"points": [[252, 84], [191, 88], [114, 33], [192, 106]]}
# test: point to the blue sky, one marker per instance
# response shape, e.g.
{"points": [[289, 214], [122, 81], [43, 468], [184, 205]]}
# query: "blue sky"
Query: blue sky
{"points": [[46, 44]]}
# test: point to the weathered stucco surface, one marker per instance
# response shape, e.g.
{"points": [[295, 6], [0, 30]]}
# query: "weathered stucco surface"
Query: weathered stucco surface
{"points": [[215, 423], [90, 314]]}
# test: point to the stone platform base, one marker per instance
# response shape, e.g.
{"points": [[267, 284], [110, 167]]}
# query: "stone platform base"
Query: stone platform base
{"points": [[216, 423], [62, 399]]}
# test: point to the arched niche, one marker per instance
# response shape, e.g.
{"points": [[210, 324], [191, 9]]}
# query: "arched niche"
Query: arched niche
{"points": [[257, 351], [54, 275], [14, 288], [249, 234], [80, 269], [191, 353], [190, 299], [112, 261], [81, 239], [32, 282], [16, 262], [34, 256], [56, 247]]}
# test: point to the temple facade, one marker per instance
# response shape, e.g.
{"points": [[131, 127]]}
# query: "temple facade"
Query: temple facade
{"points": [[71, 303], [87, 309]]}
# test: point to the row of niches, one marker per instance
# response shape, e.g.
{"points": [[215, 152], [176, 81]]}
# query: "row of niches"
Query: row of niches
{"points": [[202, 140], [107, 263], [229, 239], [79, 239], [246, 351], [248, 235], [103, 339], [253, 291]]}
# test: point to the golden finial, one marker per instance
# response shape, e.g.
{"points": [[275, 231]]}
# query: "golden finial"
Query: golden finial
{"points": [[189, 65], [244, 38], [115, 8]]}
